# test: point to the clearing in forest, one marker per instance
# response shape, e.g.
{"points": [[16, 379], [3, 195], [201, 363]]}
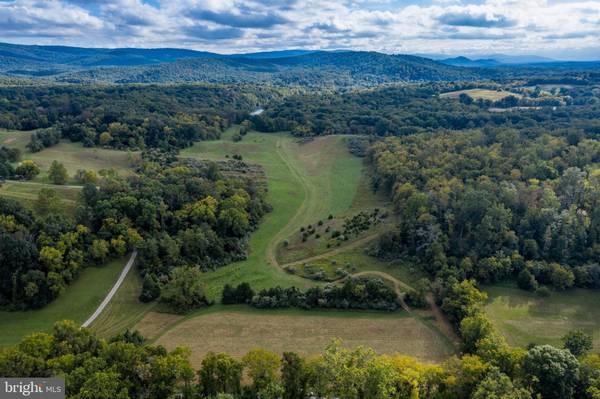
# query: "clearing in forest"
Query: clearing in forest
{"points": [[524, 317], [484, 94]]}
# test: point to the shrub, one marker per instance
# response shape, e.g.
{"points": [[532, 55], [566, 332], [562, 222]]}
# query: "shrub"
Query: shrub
{"points": [[543, 292]]}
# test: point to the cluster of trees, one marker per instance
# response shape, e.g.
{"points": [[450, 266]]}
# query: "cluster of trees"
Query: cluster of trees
{"points": [[494, 204], [353, 293], [8, 156], [126, 116], [39, 257], [177, 214], [43, 138], [188, 213], [127, 367]]}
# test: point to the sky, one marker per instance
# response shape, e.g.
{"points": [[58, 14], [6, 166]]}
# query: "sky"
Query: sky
{"points": [[561, 29]]}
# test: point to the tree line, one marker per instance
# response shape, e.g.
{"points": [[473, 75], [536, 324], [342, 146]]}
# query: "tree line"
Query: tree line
{"points": [[352, 293]]}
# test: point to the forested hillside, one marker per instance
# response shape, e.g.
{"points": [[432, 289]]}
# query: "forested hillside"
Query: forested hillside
{"points": [[403, 110], [130, 116]]}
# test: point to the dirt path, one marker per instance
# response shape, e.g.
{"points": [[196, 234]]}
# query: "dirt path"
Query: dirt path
{"points": [[112, 291], [441, 319]]}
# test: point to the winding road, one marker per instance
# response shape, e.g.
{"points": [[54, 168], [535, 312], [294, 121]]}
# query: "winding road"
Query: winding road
{"points": [[112, 291]]}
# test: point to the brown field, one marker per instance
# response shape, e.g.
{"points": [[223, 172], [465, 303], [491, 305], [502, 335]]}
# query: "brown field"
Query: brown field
{"points": [[484, 94], [242, 329]]}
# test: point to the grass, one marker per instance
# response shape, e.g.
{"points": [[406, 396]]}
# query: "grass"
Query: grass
{"points": [[524, 317], [124, 310], [14, 139], [27, 192], [77, 303], [306, 182], [355, 260], [484, 94], [74, 156], [238, 329]]}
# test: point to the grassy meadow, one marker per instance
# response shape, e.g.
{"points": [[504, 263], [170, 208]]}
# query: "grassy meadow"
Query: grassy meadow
{"points": [[306, 182], [524, 317]]}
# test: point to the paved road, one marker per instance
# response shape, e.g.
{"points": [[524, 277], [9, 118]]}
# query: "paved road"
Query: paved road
{"points": [[112, 291]]}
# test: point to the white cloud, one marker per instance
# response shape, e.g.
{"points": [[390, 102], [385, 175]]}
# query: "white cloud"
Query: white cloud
{"points": [[448, 26]]}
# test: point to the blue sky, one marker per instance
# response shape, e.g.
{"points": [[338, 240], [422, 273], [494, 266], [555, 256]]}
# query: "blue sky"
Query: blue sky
{"points": [[564, 29]]}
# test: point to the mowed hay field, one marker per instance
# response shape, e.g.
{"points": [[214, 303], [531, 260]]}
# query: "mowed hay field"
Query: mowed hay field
{"points": [[484, 94], [306, 332], [524, 317]]}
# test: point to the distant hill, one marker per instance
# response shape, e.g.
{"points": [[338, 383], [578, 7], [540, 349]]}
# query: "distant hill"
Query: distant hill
{"points": [[303, 67], [273, 54], [467, 62]]}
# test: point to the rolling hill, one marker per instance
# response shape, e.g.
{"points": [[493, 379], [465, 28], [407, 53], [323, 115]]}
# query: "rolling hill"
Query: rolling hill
{"points": [[129, 65]]}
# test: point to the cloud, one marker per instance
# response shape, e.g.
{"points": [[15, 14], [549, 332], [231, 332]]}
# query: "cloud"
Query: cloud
{"points": [[435, 26], [241, 20], [202, 32], [482, 20]]}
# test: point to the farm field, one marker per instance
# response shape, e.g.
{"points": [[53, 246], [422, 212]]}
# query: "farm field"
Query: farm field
{"points": [[524, 317], [77, 303], [484, 94], [238, 329]]}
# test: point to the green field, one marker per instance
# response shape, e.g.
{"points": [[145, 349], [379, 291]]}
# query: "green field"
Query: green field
{"points": [[77, 303], [74, 156], [124, 310], [484, 94], [306, 182], [27, 192], [524, 317], [14, 138]]}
